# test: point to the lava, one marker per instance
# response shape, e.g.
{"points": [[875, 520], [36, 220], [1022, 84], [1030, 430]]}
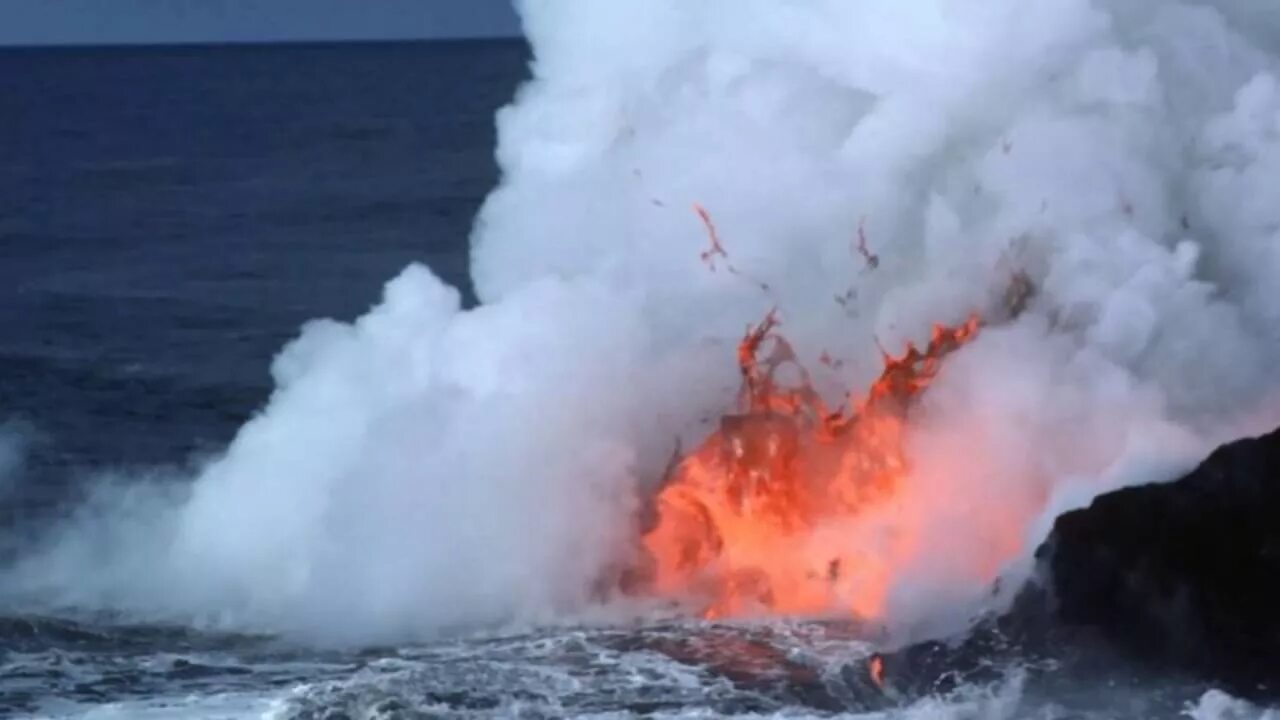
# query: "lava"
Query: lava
{"points": [[744, 522], [875, 669]]}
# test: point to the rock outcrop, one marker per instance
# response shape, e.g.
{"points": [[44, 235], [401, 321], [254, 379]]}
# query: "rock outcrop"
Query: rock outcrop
{"points": [[1185, 574]]}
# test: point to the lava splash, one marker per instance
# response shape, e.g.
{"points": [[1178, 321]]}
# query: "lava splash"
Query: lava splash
{"points": [[743, 523]]}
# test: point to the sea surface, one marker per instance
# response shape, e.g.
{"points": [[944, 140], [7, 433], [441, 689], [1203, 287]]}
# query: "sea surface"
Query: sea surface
{"points": [[169, 217]]}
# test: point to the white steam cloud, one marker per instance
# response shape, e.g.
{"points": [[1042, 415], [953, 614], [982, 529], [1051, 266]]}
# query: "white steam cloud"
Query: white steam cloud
{"points": [[428, 467]]}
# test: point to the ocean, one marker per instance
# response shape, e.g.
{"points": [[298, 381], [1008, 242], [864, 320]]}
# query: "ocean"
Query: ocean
{"points": [[169, 219]]}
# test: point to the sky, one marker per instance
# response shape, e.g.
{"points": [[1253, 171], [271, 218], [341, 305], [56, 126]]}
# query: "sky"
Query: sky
{"points": [[56, 22]]}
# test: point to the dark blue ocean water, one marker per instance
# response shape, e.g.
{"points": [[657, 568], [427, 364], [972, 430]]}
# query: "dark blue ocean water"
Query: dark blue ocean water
{"points": [[170, 216]]}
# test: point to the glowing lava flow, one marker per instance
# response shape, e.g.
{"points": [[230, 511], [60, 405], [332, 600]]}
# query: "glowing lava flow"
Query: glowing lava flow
{"points": [[739, 520]]}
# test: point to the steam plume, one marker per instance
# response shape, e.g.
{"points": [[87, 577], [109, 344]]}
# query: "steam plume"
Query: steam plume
{"points": [[426, 467]]}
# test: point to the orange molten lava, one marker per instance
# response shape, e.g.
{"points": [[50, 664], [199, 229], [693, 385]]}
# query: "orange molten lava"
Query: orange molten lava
{"points": [[739, 520], [875, 668]]}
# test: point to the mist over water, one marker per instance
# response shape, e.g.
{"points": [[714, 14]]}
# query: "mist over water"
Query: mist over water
{"points": [[11, 449], [428, 467], [13, 452]]}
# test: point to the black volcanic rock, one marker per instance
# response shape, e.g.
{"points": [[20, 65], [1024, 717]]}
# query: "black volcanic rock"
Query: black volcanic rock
{"points": [[1178, 581], [1183, 575]]}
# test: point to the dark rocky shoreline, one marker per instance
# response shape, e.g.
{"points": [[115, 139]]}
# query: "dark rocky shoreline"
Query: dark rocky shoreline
{"points": [[1179, 579], [1184, 574]]}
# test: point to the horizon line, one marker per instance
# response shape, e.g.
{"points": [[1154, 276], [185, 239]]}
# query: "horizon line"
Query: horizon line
{"points": [[195, 43]]}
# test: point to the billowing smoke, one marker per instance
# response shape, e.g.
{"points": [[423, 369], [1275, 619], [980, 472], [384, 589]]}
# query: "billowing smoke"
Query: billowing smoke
{"points": [[427, 467]]}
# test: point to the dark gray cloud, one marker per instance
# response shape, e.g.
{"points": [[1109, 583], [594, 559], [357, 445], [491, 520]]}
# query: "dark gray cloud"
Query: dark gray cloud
{"points": [[39, 22]]}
